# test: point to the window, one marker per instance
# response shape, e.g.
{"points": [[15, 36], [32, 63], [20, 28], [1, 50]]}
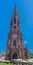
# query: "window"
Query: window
{"points": [[14, 26], [14, 21], [14, 43]]}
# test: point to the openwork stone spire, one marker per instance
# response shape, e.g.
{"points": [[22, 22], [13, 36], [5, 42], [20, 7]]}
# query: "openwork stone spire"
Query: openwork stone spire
{"points": [[15, 11]]}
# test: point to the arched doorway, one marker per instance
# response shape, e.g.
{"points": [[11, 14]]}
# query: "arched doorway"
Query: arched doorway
{"points": [[14, 56]]}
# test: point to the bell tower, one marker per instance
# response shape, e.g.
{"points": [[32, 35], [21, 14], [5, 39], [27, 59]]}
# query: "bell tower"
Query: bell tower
{"points": [[15, 46]]}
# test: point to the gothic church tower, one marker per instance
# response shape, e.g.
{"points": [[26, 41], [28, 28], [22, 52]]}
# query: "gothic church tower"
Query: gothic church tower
{"points": [[15, 46]]}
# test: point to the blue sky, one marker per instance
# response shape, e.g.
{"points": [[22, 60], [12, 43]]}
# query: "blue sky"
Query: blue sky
{"points": [[25, 11]]}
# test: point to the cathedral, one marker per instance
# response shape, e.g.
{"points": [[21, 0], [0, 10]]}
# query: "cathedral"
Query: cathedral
{"points": [[15, 44]]}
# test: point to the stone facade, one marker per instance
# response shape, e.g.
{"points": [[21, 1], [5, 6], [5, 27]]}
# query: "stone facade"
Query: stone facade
{"points": [[15, 45]]}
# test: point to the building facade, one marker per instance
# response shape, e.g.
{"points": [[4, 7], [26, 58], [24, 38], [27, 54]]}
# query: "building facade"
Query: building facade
{"points": [[15, 45]]}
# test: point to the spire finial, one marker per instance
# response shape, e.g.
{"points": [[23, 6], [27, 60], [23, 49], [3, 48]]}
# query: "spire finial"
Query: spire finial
{"points": [[15, 6], [15, 11]]}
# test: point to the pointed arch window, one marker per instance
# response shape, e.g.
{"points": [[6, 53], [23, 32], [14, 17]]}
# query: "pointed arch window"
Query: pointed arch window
{"points": [[14, 21], [14, 43]]}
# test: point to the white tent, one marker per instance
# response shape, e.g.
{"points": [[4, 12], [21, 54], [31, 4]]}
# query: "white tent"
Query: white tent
{"points": [[18, 60]]}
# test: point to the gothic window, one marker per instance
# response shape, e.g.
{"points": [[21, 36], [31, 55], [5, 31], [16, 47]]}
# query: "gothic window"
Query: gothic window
{"points": [[14, 26], [14, 21], [14, 43]]}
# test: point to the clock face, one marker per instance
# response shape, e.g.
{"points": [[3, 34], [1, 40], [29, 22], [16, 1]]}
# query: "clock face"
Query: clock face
{"points": [[14, 36]]}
